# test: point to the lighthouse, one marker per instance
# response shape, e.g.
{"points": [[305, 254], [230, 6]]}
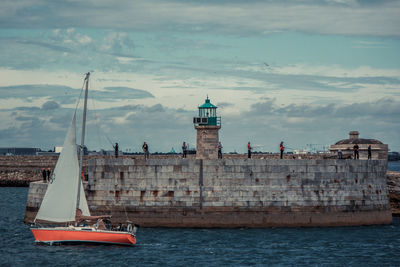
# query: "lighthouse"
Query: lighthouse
{"points": [[207, 125]]}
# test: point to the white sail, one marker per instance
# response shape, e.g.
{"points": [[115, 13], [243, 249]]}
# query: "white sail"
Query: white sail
{"points": [[59, 202], [83, 206]]}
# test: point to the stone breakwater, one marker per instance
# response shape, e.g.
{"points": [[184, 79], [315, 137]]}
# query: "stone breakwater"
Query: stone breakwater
{"points": [[393, 182], [22, 170], [234, 192]]}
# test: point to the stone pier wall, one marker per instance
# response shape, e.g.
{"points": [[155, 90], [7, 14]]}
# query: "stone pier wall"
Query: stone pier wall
{"points": [[21, 170], [235, 192]]}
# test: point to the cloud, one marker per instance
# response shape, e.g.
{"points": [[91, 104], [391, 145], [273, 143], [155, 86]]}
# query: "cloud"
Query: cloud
{"points": [[224, 104], [385, 107], [49, 105], [64, 93], [125, 92], [266, 124], [49, 96], [24, 118], [333, 17], [118, 43], [154, 61], [73, 49]]}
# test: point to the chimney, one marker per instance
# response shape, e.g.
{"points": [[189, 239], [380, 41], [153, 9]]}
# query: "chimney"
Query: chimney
{"points": [[353, 135]]}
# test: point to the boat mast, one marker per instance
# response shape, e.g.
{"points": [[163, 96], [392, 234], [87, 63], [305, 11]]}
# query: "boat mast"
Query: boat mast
{"points": [[82, 139]]}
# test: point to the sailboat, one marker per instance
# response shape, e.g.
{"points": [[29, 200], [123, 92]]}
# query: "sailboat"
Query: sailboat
{"points": [[65, 203]]}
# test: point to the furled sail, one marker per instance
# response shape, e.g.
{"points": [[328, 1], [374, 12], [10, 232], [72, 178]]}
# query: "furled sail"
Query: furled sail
{"points": [[59, 202]]}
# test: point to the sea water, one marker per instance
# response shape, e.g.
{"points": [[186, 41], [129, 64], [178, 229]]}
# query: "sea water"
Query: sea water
{"points": [[394, 165], [331, 246]]}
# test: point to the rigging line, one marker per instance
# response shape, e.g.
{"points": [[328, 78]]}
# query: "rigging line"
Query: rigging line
{"points": [[96, 120], [109, 140], [80, 96], [126, 214], [99, 129], [99, 133]]}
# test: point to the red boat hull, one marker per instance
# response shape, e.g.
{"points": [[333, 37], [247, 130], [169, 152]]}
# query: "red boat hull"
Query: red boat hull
{"points": [[74, 235]]}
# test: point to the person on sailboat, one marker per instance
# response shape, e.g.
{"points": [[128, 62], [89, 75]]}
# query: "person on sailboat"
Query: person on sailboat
{"points": [[79, 217]]}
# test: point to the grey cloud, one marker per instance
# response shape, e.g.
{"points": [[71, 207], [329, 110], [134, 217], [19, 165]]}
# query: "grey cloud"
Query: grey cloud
{"points": [[156, 108], [117, 42], [306, 110], [29, 109], [380, 108], [124, 92], [66, 49], [32, 132], [162, 127], [66, 95], [298, 125], [50, 105], [283, 81], [24, 118], [265, 107], [361, 18], [61, 118], [265, 124], [224, 104], [54, 47], [127, 107], [28, 53]]}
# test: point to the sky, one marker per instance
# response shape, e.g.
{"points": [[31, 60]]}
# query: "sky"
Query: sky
{"points": [[305, 72]]}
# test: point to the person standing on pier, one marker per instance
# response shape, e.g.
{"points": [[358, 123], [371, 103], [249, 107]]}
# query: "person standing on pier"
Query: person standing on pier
{"points": [[355, 148], [48, 174], [282, 149], [44, 174], [116, 150], [369, 152], [340, 154], [219, 150], [184, 150], [249, 148], [145, 148]]}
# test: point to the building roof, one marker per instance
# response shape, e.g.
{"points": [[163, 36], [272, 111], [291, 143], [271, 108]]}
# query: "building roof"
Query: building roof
{"points": [[207, 104], [358, 141], [353, 139]]}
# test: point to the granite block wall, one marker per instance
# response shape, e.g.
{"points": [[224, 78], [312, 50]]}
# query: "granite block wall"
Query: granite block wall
{"points": [[237, 192], [207, 141]]}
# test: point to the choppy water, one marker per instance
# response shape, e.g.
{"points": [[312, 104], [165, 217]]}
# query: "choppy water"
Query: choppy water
{"points": [[342, 246], [394, 165]]}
